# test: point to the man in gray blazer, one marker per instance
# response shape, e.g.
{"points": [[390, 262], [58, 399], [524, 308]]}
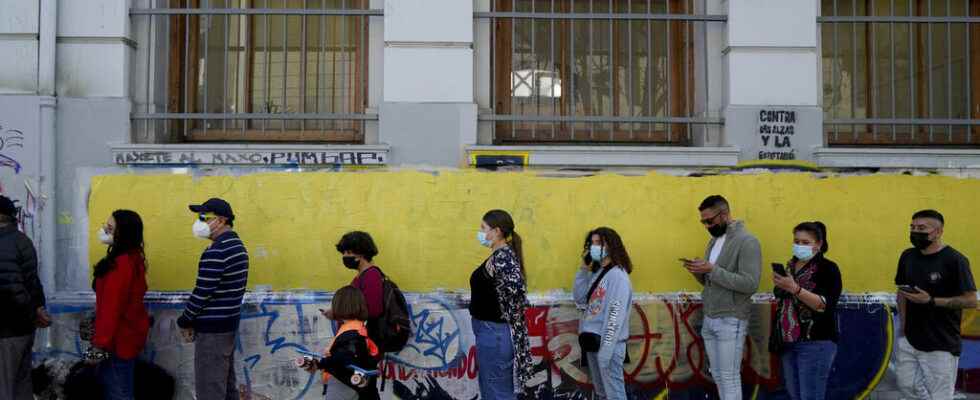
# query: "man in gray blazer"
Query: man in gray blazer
{"points": [[730, 274]]}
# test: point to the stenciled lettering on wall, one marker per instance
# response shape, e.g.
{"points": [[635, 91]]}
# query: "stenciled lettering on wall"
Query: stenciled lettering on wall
{"points": [[776, 130], [311, 158]]}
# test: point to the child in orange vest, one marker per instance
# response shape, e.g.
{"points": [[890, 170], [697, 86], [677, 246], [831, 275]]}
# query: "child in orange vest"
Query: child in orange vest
{"points": [[350, 353]]}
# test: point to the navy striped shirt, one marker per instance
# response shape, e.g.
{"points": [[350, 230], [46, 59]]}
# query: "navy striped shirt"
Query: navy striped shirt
{"points": [[215, 306]]}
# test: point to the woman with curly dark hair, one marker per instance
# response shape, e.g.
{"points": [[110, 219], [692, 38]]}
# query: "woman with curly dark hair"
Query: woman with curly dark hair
{"points": [[357, 250], [604, 294]]}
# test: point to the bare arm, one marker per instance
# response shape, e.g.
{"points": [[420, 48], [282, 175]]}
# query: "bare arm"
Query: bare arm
{"points": [[966, 300], [812, 300]]}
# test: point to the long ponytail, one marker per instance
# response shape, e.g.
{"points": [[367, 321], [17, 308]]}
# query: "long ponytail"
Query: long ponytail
{"points": [[518, 245], [502, 220]]}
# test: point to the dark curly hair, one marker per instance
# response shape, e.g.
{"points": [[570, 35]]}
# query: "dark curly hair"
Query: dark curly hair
{"points": [[359, 243], [614, 245]]}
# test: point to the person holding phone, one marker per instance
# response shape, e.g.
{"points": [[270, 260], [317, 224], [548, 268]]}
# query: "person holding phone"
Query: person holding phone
{"points": [[730, 273], [935, 286], [603, 292], [804, 328]]}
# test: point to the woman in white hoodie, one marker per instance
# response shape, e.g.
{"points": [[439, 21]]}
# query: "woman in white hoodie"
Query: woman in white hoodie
{"points": [[604, 294]]}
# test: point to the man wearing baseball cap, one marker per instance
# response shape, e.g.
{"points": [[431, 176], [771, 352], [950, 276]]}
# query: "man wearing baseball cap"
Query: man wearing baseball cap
{"points": [[21, 305], [213, 311]]}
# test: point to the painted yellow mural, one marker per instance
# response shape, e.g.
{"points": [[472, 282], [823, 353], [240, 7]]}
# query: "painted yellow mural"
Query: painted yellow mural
{"points": [[425, 223]]}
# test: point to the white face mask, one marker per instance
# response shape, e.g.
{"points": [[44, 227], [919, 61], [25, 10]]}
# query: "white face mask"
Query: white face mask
{"points": [[201, 229], [803, 252], [105, 237]]}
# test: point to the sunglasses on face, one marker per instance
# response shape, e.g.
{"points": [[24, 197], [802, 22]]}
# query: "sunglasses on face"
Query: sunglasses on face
{"points": [[205, 217], [708, 221]]}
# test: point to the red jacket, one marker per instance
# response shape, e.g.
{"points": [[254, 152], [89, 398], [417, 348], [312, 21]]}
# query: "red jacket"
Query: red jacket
{"points": [[121, 321]]}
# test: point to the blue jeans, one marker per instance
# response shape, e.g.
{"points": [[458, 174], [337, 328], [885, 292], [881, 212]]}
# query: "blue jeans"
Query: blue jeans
{"points": [[117, 378], [724, 339], [806, 367], [495, 360], [607, 373]]}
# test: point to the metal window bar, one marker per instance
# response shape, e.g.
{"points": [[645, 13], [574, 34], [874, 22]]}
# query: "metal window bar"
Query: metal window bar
{"points": [[625, 98], [203, 88], [931, 99]]}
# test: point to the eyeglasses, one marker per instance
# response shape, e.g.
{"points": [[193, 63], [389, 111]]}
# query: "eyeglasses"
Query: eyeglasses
{"points": [[204, 217], [707, 221]]}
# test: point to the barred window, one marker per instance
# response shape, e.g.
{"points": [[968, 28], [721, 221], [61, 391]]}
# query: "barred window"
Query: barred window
{"points": [[901, 72], [260, 70], [598, 71]]}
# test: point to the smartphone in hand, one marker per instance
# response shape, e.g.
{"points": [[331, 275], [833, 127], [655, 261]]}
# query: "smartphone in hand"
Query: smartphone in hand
{"points": [[685, 260], [908, 288], [778, 268]]}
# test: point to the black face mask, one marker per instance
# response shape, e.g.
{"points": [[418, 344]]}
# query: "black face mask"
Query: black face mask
{"points": [[920, 240], [718, 230], [351, 262]]}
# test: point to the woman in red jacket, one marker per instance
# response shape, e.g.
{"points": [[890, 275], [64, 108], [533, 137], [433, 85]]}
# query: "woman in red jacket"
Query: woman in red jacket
{"points": [[121, 321]]}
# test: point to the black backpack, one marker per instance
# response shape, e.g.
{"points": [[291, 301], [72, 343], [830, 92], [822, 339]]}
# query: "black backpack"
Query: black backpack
{"points": [[393, 328]]}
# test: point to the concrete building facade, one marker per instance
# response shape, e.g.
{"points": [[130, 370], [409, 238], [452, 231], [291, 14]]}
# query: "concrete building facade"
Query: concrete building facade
{"points": [[99, 89]]}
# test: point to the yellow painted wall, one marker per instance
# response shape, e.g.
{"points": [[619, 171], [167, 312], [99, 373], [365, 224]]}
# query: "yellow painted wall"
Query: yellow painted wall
{"points": [[425, 224]]}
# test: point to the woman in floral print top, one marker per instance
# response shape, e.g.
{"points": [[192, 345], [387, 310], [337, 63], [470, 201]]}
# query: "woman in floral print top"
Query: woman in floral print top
{"points": [[497, 308]]}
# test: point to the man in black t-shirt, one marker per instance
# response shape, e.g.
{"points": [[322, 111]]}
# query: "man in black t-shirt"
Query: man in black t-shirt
{"points": [[935, 285]]}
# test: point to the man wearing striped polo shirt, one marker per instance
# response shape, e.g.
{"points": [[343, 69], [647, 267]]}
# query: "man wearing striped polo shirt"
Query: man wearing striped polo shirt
{"points": [[213, 311]]}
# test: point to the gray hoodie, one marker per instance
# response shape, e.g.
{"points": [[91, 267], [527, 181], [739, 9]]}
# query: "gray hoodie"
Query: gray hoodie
{"points": [[728, 289], [607, 313]]}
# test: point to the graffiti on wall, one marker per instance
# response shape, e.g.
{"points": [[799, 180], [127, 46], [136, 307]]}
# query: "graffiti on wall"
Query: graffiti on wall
{"points": [[667, 357], [17, 172], [261, 158], [10, 139]]}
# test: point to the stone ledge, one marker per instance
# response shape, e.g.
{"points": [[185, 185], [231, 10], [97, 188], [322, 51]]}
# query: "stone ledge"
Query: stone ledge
{"points": [[897, 158], [249, 154], [613, 156]]}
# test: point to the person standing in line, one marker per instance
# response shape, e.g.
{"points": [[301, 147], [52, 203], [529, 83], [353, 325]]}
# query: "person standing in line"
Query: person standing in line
{"points": [[603, 292], [213, 312], [730, 274], [350, 346], [21, 305], [121, 320], [935, 286], [497, 307], [358, 250], [804, 330]]}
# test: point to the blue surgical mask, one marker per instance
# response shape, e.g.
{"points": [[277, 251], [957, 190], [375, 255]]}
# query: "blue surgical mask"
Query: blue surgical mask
{"points": [[597, 253], [481, 236], [802, 252]]}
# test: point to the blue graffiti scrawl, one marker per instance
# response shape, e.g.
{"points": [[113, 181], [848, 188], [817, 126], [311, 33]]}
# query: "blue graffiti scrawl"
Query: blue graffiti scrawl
{"points": [[436, 341], [273, 359]]}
